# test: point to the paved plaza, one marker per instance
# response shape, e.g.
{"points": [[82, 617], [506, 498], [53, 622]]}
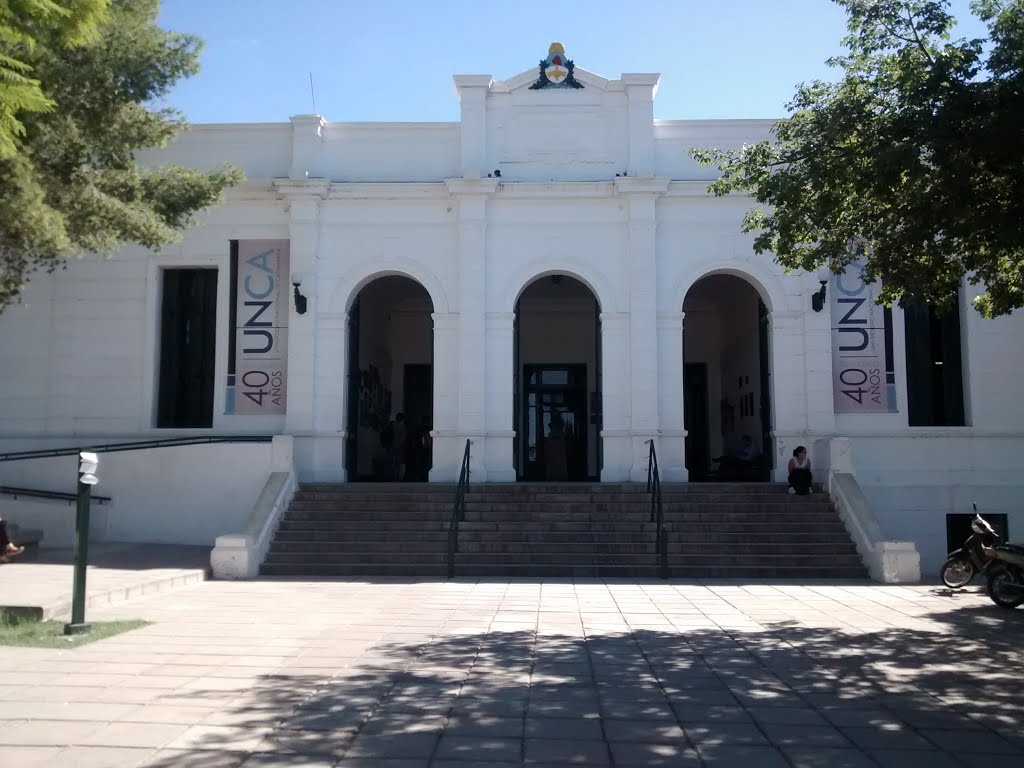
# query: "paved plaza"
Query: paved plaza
{"points": [[534, 672]]}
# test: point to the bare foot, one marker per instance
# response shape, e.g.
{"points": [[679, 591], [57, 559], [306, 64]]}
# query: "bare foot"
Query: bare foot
{"points": [[13, 550]]}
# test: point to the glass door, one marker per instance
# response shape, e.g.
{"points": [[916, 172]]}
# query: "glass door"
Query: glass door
{"points": [[555, 423]]}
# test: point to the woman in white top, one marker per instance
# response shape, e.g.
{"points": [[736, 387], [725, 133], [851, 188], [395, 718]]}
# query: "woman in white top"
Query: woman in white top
{"points": [[800, 472]]}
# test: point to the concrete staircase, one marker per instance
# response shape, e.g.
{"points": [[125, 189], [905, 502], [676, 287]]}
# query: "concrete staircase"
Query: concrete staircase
{"points": [[755, 530], [742, 530]]}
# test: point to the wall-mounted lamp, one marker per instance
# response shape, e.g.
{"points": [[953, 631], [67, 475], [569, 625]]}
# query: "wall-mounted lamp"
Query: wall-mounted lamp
{"points": [[818, 297], [300, 300]]}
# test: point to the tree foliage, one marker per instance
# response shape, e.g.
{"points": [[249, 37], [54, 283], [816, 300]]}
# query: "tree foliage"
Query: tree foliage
{"points": [[73, 184], [64, 22], [913, 161]]}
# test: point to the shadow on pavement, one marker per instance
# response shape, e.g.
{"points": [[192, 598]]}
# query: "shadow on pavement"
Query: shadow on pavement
{"points": [[788, 696]]}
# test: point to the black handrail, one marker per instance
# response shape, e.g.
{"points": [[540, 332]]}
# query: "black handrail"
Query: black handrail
{"points": [[458, 511], [10, 490], [657, 511], [137, 445]]}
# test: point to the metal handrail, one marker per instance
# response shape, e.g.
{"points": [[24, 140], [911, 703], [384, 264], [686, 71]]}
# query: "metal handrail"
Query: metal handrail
{"points": [[458, 511], [10, 490], [138, 445], [657, 511]]}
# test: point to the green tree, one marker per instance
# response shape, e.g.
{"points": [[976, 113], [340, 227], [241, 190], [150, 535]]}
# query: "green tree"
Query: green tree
{"points": [[913, 161], [73, 184], [66, 22]]}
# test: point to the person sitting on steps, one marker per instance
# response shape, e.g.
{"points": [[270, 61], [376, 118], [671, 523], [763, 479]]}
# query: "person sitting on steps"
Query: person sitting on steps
{"points": [[800, 472], [7, 547]]}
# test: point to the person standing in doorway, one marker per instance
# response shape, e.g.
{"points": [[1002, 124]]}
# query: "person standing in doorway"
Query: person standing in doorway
{"points": [[800, 472]]}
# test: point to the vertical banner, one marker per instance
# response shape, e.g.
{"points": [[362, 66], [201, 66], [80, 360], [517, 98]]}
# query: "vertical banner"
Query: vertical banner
{"points": [[863, 377], [257, 384]]}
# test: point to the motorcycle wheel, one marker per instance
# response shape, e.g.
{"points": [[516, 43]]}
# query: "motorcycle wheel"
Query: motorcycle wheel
{"points": [[956, 573], [1003, 596]]}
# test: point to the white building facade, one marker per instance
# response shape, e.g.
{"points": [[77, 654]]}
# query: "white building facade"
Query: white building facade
{"points": [[548, 271]]}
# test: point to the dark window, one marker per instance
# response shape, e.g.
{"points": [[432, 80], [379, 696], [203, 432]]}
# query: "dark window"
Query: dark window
{"points": [[188, 325], [935, 389]]}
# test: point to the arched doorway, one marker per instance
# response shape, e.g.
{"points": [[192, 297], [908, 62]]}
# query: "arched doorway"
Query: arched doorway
{"points": [[726, 381], [557, 381], [390, 381]]}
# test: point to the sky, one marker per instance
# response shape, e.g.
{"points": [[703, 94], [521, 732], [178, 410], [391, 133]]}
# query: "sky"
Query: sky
{"points": [[394, 60]]}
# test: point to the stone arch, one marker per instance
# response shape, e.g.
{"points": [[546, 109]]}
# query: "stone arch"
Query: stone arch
{"points": [[762, 281], [359, 276], [526, 275]]}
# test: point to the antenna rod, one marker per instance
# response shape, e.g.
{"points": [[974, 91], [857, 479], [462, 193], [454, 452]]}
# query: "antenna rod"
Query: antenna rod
{"points": [[312, 95]]}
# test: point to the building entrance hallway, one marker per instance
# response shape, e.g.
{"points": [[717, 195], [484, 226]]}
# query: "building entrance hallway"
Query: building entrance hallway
{"points": [[390, 384], [555, 422], [726, 363], [557, 387]]}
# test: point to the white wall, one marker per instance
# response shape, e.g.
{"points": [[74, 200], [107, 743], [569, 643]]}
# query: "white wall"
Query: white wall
{"points": [[181, 495]]}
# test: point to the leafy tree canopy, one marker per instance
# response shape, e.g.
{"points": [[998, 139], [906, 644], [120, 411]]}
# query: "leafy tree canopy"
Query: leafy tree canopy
{"points": [[72, 184], [913, 161]]}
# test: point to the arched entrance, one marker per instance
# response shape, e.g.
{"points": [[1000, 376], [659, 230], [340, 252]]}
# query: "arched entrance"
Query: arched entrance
{"points": [[726, 381], [390, 381], [557, 381]]}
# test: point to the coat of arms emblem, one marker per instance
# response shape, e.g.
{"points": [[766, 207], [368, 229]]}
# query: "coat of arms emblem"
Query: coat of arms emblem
{"points": [[556, 71]]}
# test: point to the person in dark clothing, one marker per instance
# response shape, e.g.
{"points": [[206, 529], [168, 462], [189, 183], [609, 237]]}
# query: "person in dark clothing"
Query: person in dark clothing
{"points": [[800, 472], [7, 547]]}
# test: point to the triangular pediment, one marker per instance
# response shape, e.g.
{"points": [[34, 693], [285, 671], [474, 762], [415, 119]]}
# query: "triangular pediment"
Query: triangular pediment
{"points": [[524, 80]]}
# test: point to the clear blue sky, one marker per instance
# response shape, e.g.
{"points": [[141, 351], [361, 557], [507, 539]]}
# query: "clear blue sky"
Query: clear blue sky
{"points": [[394, 61]]}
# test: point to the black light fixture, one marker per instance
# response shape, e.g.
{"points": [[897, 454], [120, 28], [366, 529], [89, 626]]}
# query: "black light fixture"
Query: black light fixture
{"points": [[497, 174], [818, 297], [300, 300]]}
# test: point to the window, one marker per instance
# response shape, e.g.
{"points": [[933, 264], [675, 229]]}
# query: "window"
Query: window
{"points": [[935, 390], [188, 325]]}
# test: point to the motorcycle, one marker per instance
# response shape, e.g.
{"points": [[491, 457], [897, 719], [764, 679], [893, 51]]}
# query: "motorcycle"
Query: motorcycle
{"points": [[1006, 575], [972, 558]]}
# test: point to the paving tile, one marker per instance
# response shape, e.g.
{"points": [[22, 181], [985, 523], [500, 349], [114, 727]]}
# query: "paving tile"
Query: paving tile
{"points": [[288, 760], [31, 757], [482, 748], [567, 752], [485, 727], [885, 738], [818, 757], [586, 729], [912, 758], [786, 716], [410, 745], [652, 731], [729, 756], [635, 755], [48, 733], [99, 757], [725, 733], [154, 735], [979, 742], [196, 758], [785, 735]]}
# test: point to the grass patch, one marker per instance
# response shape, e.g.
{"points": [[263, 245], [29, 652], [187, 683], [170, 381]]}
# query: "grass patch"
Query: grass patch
{"points": [[50, 634]]}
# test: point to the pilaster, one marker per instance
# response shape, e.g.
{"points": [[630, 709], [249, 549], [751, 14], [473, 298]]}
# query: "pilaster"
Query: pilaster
{"points": [[472, 91], [640, 91], [307, 143], [616, 435], [500, 424], [672, 441], [447, 442]]}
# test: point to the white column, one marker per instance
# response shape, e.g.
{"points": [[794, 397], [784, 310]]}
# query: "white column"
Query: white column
{"points": [[448, 447], [672, 443], [788, 391], [643, 339], [330, 404], [500, 419], [304, 232], [616, 435], [821, 416], [471, 197]]}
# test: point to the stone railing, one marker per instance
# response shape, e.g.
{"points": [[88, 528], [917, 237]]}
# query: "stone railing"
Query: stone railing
{"points": [[239, 555], [889, 562]]}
